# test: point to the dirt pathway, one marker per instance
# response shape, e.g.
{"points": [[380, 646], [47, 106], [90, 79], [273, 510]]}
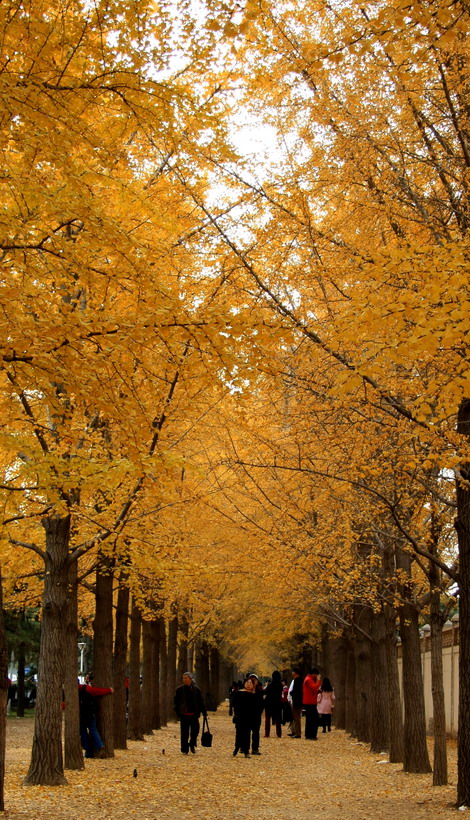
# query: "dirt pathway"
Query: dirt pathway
{"points": [[334, 778]]}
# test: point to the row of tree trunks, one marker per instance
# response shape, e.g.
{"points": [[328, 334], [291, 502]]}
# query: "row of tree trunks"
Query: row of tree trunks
{"points": [[364, 662], [131, 712]]}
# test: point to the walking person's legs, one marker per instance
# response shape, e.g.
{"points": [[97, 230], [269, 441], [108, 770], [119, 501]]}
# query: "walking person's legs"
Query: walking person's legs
{"points": [[297, 721], [309, 728], [315, 721], [194, 729], [255, 737], [267, 722], [184, 734]]}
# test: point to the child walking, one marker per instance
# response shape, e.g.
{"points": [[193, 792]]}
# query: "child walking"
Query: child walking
{"points": [[325, 704]]}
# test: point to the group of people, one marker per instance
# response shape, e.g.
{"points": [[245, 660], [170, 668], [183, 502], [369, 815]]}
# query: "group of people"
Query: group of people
{"points": [[309, 695], [248, 700]]}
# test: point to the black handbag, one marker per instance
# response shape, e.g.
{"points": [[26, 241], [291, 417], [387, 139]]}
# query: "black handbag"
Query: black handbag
{"points": [[206, 736]]}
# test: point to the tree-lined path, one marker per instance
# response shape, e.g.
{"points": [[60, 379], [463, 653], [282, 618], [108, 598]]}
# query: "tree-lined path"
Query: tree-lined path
{"points": [[333, 779]]}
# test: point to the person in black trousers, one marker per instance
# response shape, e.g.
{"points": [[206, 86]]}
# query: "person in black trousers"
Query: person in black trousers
{"points": [[296, 699], [188, 704], [245, 708], [255, 732]]}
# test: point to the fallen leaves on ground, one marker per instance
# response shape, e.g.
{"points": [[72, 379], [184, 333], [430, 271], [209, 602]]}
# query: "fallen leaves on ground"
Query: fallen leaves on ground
{"points": [[335, 778]]}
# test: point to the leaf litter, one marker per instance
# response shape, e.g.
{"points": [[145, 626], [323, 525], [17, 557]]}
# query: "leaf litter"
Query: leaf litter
{"points": [[333, 779]]}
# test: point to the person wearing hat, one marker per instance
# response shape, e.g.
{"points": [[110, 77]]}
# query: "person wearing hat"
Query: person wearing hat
{"points": [[256, 730]]}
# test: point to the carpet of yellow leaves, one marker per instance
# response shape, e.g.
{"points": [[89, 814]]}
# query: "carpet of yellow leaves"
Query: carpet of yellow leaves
{"points": [[333, 779]]}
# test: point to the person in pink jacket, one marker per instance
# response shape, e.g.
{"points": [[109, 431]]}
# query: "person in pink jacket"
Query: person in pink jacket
{"points": [[325, 704]]}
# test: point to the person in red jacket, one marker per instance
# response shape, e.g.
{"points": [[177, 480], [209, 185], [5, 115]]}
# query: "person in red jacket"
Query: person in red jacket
{"points": [[89, 735], [311, 686]]}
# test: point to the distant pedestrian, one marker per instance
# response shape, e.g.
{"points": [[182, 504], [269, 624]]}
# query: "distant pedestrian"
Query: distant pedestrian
{"points": [[259, 695], [188, 704], [273, 705], [310, 688], [296, 700], [246, 714], [325, 704], [286, 706]]}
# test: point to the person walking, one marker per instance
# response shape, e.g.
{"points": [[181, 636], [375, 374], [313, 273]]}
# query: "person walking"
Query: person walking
{"points": [[273, 705], [296, 700], [286, 704], [310, 688], [255, 732], [87, 703], [245, 708], [188, 704], [325, 704]]}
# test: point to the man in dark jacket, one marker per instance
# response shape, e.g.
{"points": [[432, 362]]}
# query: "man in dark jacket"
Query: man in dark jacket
{"points": [[188, 704]]}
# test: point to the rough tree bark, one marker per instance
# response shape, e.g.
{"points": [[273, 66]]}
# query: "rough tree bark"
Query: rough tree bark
{"points": [[182, 649], [47, 766], [462, 525], [103, 652], [120, 662], [73, 754], [350, 688], [172, 655], [3, 697], [362, 691], [397, 749], [155, 676], [163, 679], [416, 757], [380, 713], [134, 725], [147, 653]]}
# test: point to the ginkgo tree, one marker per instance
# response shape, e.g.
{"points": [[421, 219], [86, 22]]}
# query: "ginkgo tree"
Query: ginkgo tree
{"points": [[362, 244]]}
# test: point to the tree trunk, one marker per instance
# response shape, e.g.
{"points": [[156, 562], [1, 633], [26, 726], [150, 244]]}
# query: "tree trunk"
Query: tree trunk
{"points": [[437, 686], [183, 665], [379, 713], [462, 525], [134, 726], [338, 653], [3, 697], [215, 676], [47, 767], [171, 659], [155, 678], [120, 661], [202, 670], [73, 753], [21, 658], [147, 641], [397, 749], [163, 679], [362, 692], [416, 758], [350, 699], [103, 652]]}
